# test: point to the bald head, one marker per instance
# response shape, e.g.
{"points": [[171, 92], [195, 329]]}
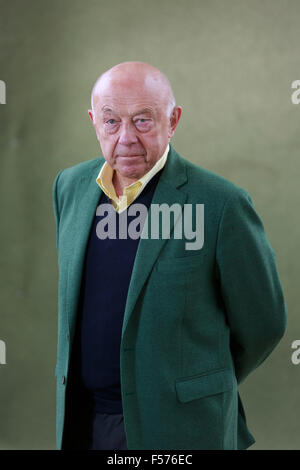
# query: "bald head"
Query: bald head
{"points": [[138, 77], [134, 116]]}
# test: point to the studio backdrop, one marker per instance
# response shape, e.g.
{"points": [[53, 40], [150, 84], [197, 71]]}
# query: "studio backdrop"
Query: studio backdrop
{"points": [[234, 68]]}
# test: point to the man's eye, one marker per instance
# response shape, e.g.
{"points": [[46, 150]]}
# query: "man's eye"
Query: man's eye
{"points": [[111, 121], [142, 121]]}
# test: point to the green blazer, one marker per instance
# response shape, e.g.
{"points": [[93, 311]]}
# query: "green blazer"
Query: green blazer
{"points": [[196, 323]]}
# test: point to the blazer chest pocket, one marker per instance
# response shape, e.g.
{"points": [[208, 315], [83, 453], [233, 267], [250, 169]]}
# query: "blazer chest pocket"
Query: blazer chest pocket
{"points": [[178, 265], [204, 385]]}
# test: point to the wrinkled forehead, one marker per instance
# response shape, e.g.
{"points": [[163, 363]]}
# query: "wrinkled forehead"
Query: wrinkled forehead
{"points": [[130, 91]]}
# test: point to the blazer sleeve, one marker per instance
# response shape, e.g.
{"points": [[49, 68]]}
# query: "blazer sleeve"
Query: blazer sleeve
{"points": [[56, 205], [250, 285]]}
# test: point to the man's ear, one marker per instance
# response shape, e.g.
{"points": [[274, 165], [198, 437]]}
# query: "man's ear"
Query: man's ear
{"points": [[91, 115], [174, 118]]}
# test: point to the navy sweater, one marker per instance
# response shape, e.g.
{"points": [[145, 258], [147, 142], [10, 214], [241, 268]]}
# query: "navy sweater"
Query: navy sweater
{"points": [[106, 276]]}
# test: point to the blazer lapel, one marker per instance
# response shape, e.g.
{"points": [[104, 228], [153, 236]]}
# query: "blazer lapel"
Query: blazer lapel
{"points": [[173, 176]]}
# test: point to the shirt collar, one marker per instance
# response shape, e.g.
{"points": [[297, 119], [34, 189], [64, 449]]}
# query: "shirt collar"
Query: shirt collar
{"points": [[131, 192]]}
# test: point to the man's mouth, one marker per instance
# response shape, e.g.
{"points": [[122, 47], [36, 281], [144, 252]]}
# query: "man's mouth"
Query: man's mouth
{"points": [[131, 156]]}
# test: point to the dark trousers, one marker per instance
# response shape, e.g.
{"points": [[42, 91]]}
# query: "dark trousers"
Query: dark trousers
{"points": [[108, 432]]}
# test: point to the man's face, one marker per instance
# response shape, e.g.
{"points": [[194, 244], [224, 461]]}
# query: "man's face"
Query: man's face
{"points": [[132, 124]]}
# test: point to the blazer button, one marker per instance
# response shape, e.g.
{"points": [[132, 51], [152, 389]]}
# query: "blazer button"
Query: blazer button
{"points": [[63, 380]]}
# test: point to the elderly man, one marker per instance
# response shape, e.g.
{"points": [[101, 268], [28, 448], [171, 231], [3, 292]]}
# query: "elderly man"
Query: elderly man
{"points": [[154, 337]]}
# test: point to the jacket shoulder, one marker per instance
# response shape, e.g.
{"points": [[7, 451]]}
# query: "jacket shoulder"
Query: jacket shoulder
{"points": [[82, 169], [210, 185], [68, 178]]}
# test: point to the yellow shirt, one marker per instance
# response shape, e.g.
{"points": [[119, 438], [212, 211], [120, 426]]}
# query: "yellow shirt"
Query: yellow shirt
{"points": [[131, 192]]}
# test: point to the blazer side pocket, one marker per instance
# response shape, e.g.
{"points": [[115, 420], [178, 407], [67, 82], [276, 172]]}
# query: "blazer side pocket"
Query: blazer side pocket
{"points": [[204, 385]]}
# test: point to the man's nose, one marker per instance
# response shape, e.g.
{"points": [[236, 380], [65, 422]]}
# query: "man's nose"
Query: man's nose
{"points": [[127, 134]]}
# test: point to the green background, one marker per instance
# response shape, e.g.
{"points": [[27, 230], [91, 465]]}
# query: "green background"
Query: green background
{"points": [[231, 64]]}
